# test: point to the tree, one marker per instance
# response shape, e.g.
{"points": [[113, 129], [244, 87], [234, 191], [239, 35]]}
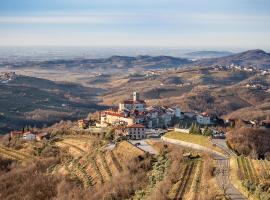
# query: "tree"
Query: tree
{"points": [[191, 129], [109, 134], [207, 131], [197, 130]]}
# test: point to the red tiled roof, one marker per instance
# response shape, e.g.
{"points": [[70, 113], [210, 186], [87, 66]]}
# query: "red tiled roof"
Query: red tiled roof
{"points": [[205, 114], [28, 132], [136, 126], [130, 101], [113, 114], [16, 132]]}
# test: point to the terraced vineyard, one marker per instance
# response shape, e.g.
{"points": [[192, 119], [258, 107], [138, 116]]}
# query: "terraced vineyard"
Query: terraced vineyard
{"points": [[92, 169], [183, 185], [252, 174], [197, 182], [13, 154], [115, 161], [73, 146], [265, 166], [246, 167], [76, 169], [95, 166]]}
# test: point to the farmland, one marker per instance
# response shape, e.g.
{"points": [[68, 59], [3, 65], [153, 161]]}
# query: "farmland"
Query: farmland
{"points": [[91, 163], [251, 177], [85, 162], [94, 166], [13, 154], [182, 186]]}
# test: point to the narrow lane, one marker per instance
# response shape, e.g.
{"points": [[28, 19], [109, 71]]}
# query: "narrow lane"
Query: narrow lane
{"points": [[223, 167]]}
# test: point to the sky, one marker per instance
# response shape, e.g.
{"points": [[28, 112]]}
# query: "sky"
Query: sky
{"points": [[193, 24]]}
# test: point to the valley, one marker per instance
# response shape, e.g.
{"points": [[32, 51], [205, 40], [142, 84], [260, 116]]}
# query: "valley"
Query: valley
{"points": [[72, 123], [40, 94]]}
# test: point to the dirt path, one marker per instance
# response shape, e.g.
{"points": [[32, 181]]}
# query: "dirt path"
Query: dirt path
{"points": [[223, 167]]}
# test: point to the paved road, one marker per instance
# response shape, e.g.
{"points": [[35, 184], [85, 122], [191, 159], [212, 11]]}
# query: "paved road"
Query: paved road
{"points": [[221, 143], [223, 170], [144, 146]]}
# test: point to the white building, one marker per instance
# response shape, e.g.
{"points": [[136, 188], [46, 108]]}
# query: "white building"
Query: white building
{"points": [[133, 104], [29, 136], [134, 111], [111, 117], [203, 119], [136, 132]]}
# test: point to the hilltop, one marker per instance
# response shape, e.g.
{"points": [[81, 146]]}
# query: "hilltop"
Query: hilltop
{"points": [[112, 64], [216, 90], [255, 58], [208, 54]]}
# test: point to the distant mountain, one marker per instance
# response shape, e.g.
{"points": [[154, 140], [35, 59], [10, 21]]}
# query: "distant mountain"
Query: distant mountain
{"points": [[208, 54], [256, 58], [111, 63]]}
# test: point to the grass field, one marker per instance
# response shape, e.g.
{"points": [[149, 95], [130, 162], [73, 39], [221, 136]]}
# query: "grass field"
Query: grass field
{"points": [[196, 139]]}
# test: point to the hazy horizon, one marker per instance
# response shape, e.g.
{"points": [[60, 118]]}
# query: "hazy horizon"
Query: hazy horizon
{"points": [[206, 24]]}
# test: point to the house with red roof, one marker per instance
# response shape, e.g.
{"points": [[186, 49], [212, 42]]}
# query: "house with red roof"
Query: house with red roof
{"points": [[29, 135], [134, 111], [133, 132], [203, 118], [16, 134]]}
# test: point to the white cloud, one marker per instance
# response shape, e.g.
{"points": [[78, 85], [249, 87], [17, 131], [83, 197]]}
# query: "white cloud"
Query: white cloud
{"points": [[143, 18], [53, 20]]}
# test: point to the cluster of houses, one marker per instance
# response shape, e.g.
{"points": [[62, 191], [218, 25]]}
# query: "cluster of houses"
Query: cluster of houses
{"points": [[133, 116], [135, 111], [29, 135]]}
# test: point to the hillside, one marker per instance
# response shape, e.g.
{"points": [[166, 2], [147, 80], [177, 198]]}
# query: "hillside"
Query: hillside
{"points": [[256, 58], [80, 166], [207, 54], [220, 92], [112, 64], [33, 101]]}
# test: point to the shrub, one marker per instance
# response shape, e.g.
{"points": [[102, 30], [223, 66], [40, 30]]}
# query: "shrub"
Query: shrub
{"points": [[249, 141]]}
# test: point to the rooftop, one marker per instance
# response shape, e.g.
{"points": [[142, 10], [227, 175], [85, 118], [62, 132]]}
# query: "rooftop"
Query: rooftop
{"points": [[136, 126], [130, 101]]}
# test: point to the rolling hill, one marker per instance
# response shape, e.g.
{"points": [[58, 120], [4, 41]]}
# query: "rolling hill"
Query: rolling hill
{"points": [[256, 58], [112, 63], [32, 101], [208, 54]]}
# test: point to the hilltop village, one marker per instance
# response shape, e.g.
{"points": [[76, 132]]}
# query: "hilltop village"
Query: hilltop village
{"points": [[133, 117], [135, 120]]}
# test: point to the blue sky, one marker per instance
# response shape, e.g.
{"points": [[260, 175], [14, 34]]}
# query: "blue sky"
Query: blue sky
{"points": [[200, 24]]}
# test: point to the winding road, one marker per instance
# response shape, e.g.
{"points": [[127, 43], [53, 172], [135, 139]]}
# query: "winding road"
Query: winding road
{"points": [[223, 165]]}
